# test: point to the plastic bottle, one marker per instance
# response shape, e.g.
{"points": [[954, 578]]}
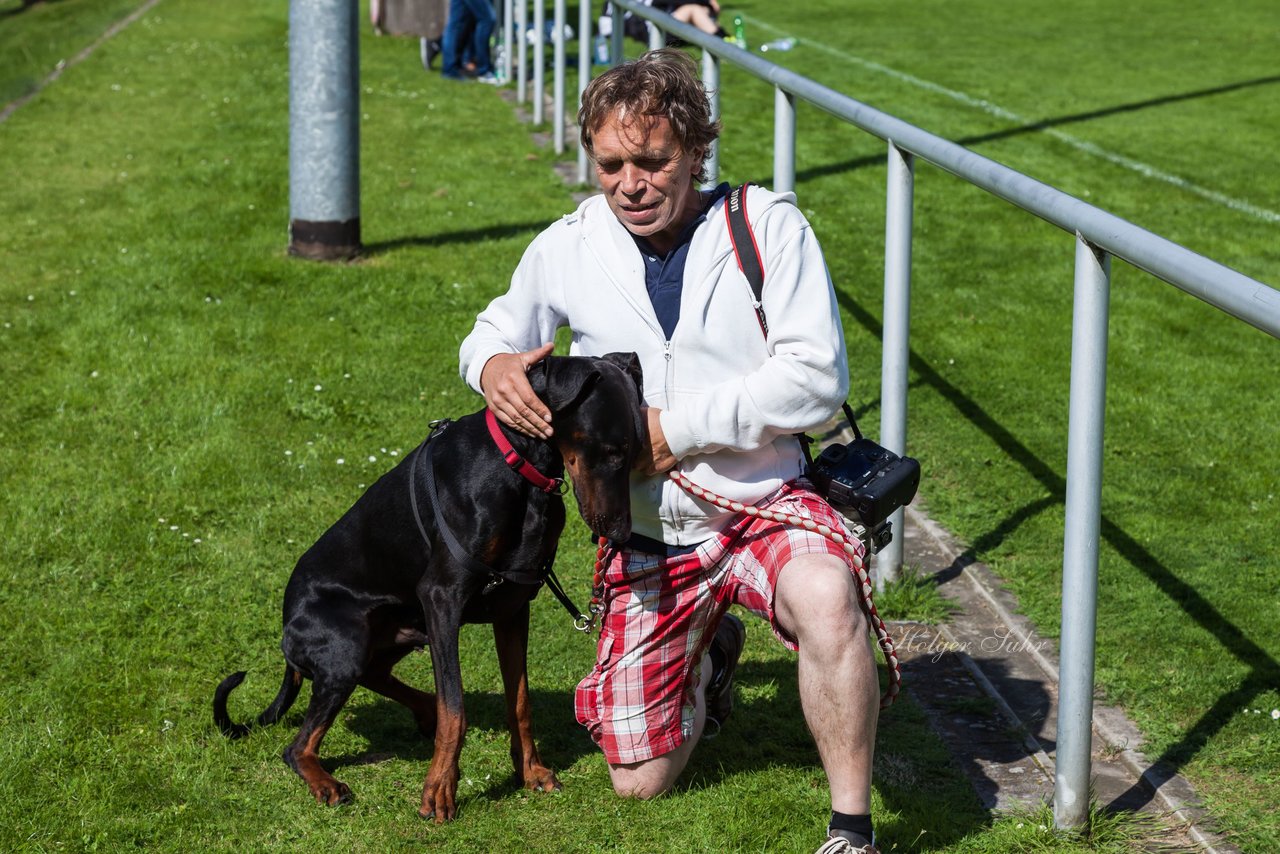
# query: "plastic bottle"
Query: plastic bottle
{"points": [[500, 63], [600, 50], [739, 32], [779, 44]]}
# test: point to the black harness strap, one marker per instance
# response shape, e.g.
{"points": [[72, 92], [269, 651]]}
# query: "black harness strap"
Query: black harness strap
{"points": [[546, 574]]}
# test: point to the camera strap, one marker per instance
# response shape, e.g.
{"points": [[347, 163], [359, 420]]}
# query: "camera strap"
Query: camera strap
{"points": [[747, 253], [848, 413], [746, 250]]}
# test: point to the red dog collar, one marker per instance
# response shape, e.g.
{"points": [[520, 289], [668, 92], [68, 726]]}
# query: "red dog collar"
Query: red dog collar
{"points": [[518, 463]]}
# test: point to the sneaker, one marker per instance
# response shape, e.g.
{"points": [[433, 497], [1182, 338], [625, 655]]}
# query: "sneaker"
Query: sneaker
{"points": [[429, 49], [489, 78], [841, 845], [730, 638]]}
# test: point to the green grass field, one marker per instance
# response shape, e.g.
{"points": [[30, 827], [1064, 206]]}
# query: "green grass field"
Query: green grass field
{"points": [[186, 409]]}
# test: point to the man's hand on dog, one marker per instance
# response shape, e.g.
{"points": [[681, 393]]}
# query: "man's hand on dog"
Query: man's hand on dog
{"points": [[508, 393]]}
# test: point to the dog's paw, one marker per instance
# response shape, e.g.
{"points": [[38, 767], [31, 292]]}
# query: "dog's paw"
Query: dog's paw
{"points": [[439, 798], [541, 779], [332, 792]]}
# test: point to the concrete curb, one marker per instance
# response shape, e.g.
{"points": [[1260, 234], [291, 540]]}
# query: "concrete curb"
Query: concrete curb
{"points": [[1117, 759]]}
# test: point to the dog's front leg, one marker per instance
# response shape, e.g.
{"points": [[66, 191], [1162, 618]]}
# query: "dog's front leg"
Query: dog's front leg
{"points": [[439, 792], [511, 636]]}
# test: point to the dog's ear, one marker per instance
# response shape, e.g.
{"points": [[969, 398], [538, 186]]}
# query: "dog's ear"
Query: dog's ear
{"points": [[630, 364], [537, 376], [559, 381]]}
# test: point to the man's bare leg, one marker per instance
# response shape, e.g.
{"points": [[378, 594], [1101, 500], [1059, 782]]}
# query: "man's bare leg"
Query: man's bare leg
{"points": [[815, 602], [698, 16]]}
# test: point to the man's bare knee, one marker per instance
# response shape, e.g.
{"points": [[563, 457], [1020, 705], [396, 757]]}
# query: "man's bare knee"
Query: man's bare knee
{"points": [[642, 781], [651, 777], [641, 791], [816, 596]]}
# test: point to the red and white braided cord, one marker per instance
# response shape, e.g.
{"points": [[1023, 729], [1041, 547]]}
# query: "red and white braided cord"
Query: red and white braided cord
{"points": [[864, 580]]}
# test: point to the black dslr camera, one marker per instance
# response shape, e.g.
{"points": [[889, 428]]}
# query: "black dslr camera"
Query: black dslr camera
{"points": [[865, 482]]}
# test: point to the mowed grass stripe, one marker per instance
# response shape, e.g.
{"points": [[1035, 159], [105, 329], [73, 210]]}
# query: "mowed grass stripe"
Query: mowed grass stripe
{"points": [[1132, 164]]}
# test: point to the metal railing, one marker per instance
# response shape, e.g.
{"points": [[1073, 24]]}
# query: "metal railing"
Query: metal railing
{"points": [[1096, 235]]}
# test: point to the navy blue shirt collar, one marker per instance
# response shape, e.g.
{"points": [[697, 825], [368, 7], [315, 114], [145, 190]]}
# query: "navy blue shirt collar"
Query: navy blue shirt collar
{"points": [[664, 273]]}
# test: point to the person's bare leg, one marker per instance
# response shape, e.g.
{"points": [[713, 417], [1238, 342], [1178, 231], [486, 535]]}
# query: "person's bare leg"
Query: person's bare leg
{"points": [[815, 602], [698, 16]]}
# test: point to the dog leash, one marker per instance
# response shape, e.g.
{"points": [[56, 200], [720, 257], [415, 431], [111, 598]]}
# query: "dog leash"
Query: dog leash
{"points": [[864, 581]]}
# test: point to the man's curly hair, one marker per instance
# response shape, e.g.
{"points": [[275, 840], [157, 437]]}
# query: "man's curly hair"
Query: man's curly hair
{"points": [[660, 84]]}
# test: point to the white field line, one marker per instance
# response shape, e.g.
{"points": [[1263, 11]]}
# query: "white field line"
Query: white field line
{"points": [[14, 105], [1007, 115]]}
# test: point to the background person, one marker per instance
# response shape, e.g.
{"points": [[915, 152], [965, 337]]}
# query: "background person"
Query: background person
{"points": [[465, 49], [702, 14]]}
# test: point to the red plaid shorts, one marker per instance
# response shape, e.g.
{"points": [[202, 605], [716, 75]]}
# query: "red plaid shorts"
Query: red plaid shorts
{"points": [[661, 613]]}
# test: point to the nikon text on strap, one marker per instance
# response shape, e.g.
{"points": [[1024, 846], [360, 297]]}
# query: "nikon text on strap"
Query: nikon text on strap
{"points": [[746, 250]]}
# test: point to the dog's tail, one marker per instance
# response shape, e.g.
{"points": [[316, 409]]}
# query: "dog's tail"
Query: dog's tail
{"points": [[284, 699]]}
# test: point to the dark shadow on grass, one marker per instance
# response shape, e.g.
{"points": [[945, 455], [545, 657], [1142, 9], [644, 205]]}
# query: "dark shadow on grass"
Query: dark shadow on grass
{"points": [[1133, 107], [856, 163], [1264, 670], [392, 734], [771, 732], [26, 6], [475, 235], [994, 537]]}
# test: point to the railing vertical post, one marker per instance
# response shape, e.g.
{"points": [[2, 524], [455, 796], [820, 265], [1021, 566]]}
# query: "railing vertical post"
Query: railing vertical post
{"points": [[657, 37], [539, 58], [585, 56], [895, 349], [324, 130], [522, 51], [711, 82], [1082, 529], [616, 49], [508, 38], [557, 42], [784, 141]]}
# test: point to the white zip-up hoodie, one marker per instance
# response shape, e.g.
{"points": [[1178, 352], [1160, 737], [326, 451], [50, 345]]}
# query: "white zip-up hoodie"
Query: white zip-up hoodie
{"points": [[730, 399]]}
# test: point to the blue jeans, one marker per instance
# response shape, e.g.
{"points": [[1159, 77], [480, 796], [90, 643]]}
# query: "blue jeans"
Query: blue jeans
{"points": [[470, 26]]}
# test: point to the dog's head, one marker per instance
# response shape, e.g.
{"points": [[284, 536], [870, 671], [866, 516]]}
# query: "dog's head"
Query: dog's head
{"points": [[599, 429]]}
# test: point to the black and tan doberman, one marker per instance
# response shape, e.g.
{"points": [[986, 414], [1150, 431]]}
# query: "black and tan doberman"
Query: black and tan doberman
{"points": [[453, 534]]}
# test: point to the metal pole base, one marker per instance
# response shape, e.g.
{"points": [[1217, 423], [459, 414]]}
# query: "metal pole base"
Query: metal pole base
{"points": [[325, 241]]}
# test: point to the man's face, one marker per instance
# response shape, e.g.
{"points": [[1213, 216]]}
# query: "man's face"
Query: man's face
{"points": [[646, 177]]}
